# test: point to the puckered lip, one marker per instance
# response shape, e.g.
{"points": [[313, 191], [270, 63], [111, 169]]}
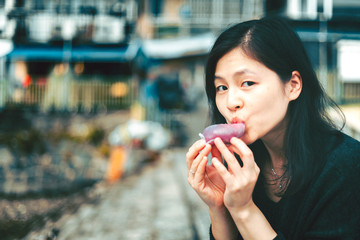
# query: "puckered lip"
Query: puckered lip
{"points": [[236, 120]]}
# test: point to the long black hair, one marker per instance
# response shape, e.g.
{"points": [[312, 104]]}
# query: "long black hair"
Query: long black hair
{"points": [[273, 42]]}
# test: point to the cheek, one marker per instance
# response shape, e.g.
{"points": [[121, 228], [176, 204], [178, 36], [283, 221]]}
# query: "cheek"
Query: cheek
{"points": [[220, 105], [275, 106], [275, 98], [267, 111]]}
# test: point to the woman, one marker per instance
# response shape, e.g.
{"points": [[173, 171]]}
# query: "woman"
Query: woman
{"points": [[297, 176]]}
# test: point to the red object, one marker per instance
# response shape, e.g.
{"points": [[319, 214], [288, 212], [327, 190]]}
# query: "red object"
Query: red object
{"points": [[27, 81]]}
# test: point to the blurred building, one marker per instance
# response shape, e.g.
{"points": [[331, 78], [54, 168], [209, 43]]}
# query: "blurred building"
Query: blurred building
{"points": [[100, 43], [88, 40], [186, 17], [40, 21]]}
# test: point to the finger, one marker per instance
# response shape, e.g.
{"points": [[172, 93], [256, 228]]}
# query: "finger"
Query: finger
{"points": [[215, 152], [229, 157], [200, 173], [194, 151], [204, 152], [234, 151], [224, 173], [244, 152]]}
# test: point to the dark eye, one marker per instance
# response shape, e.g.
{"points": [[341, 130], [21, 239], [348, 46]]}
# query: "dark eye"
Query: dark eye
{"points": [[221, 88], [248, 83]]}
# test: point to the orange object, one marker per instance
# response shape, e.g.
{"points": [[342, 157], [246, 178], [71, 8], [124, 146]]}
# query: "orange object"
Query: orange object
{"points": [[116, 165], [27, 81]]}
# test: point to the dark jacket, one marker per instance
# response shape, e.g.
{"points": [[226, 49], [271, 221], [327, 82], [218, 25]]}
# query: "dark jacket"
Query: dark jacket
{"points": [[328, 209]]}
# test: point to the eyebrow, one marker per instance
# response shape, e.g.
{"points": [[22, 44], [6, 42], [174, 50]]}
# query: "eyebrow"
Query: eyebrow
{"points": [[238, 73]]}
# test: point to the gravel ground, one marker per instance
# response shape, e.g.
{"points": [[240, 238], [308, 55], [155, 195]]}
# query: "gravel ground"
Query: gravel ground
{"points": [[156, 204], [153, 202]]}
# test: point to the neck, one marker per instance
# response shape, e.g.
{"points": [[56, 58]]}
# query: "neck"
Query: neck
{"points": [[275, 147], [277, 158], [274, 143], [274, 170]]}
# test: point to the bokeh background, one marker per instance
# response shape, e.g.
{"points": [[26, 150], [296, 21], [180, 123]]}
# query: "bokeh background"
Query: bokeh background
{"points": [[99, 101]]}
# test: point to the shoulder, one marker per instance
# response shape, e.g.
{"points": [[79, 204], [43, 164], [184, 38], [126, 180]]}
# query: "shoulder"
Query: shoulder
{"points": [[343, 161], [331, 202], [345, 154], [348, 143]]}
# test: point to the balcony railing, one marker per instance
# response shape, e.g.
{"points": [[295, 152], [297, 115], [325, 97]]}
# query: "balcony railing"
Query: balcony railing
{"points": [[73, 96]]}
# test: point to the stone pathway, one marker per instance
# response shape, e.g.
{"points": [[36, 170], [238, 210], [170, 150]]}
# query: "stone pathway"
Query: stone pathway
{"points": [[155, 204]]}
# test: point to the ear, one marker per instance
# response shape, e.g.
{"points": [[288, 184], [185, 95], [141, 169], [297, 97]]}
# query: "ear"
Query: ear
{"points": [[294, 86]]}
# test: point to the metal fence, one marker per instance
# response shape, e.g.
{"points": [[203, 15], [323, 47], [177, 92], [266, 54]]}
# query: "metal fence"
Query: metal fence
{"points": [[350, 93], [73, 96]]}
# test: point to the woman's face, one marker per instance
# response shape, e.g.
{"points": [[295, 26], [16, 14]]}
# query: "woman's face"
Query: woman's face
{"points": [[249, 92]]}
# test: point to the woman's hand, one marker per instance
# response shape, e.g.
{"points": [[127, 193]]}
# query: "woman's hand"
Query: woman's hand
{"points": [[239, 181], [228, 192], [203, 178]]}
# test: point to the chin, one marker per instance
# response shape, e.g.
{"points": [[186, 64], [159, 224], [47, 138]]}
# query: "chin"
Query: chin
{"points": [[247, 140]]}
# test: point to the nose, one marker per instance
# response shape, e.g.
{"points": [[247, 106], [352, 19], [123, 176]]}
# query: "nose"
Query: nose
{"points": [[234, 101]]}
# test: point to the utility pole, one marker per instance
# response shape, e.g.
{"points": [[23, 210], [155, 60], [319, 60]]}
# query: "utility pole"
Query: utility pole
{"points": [[323, 40]]}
